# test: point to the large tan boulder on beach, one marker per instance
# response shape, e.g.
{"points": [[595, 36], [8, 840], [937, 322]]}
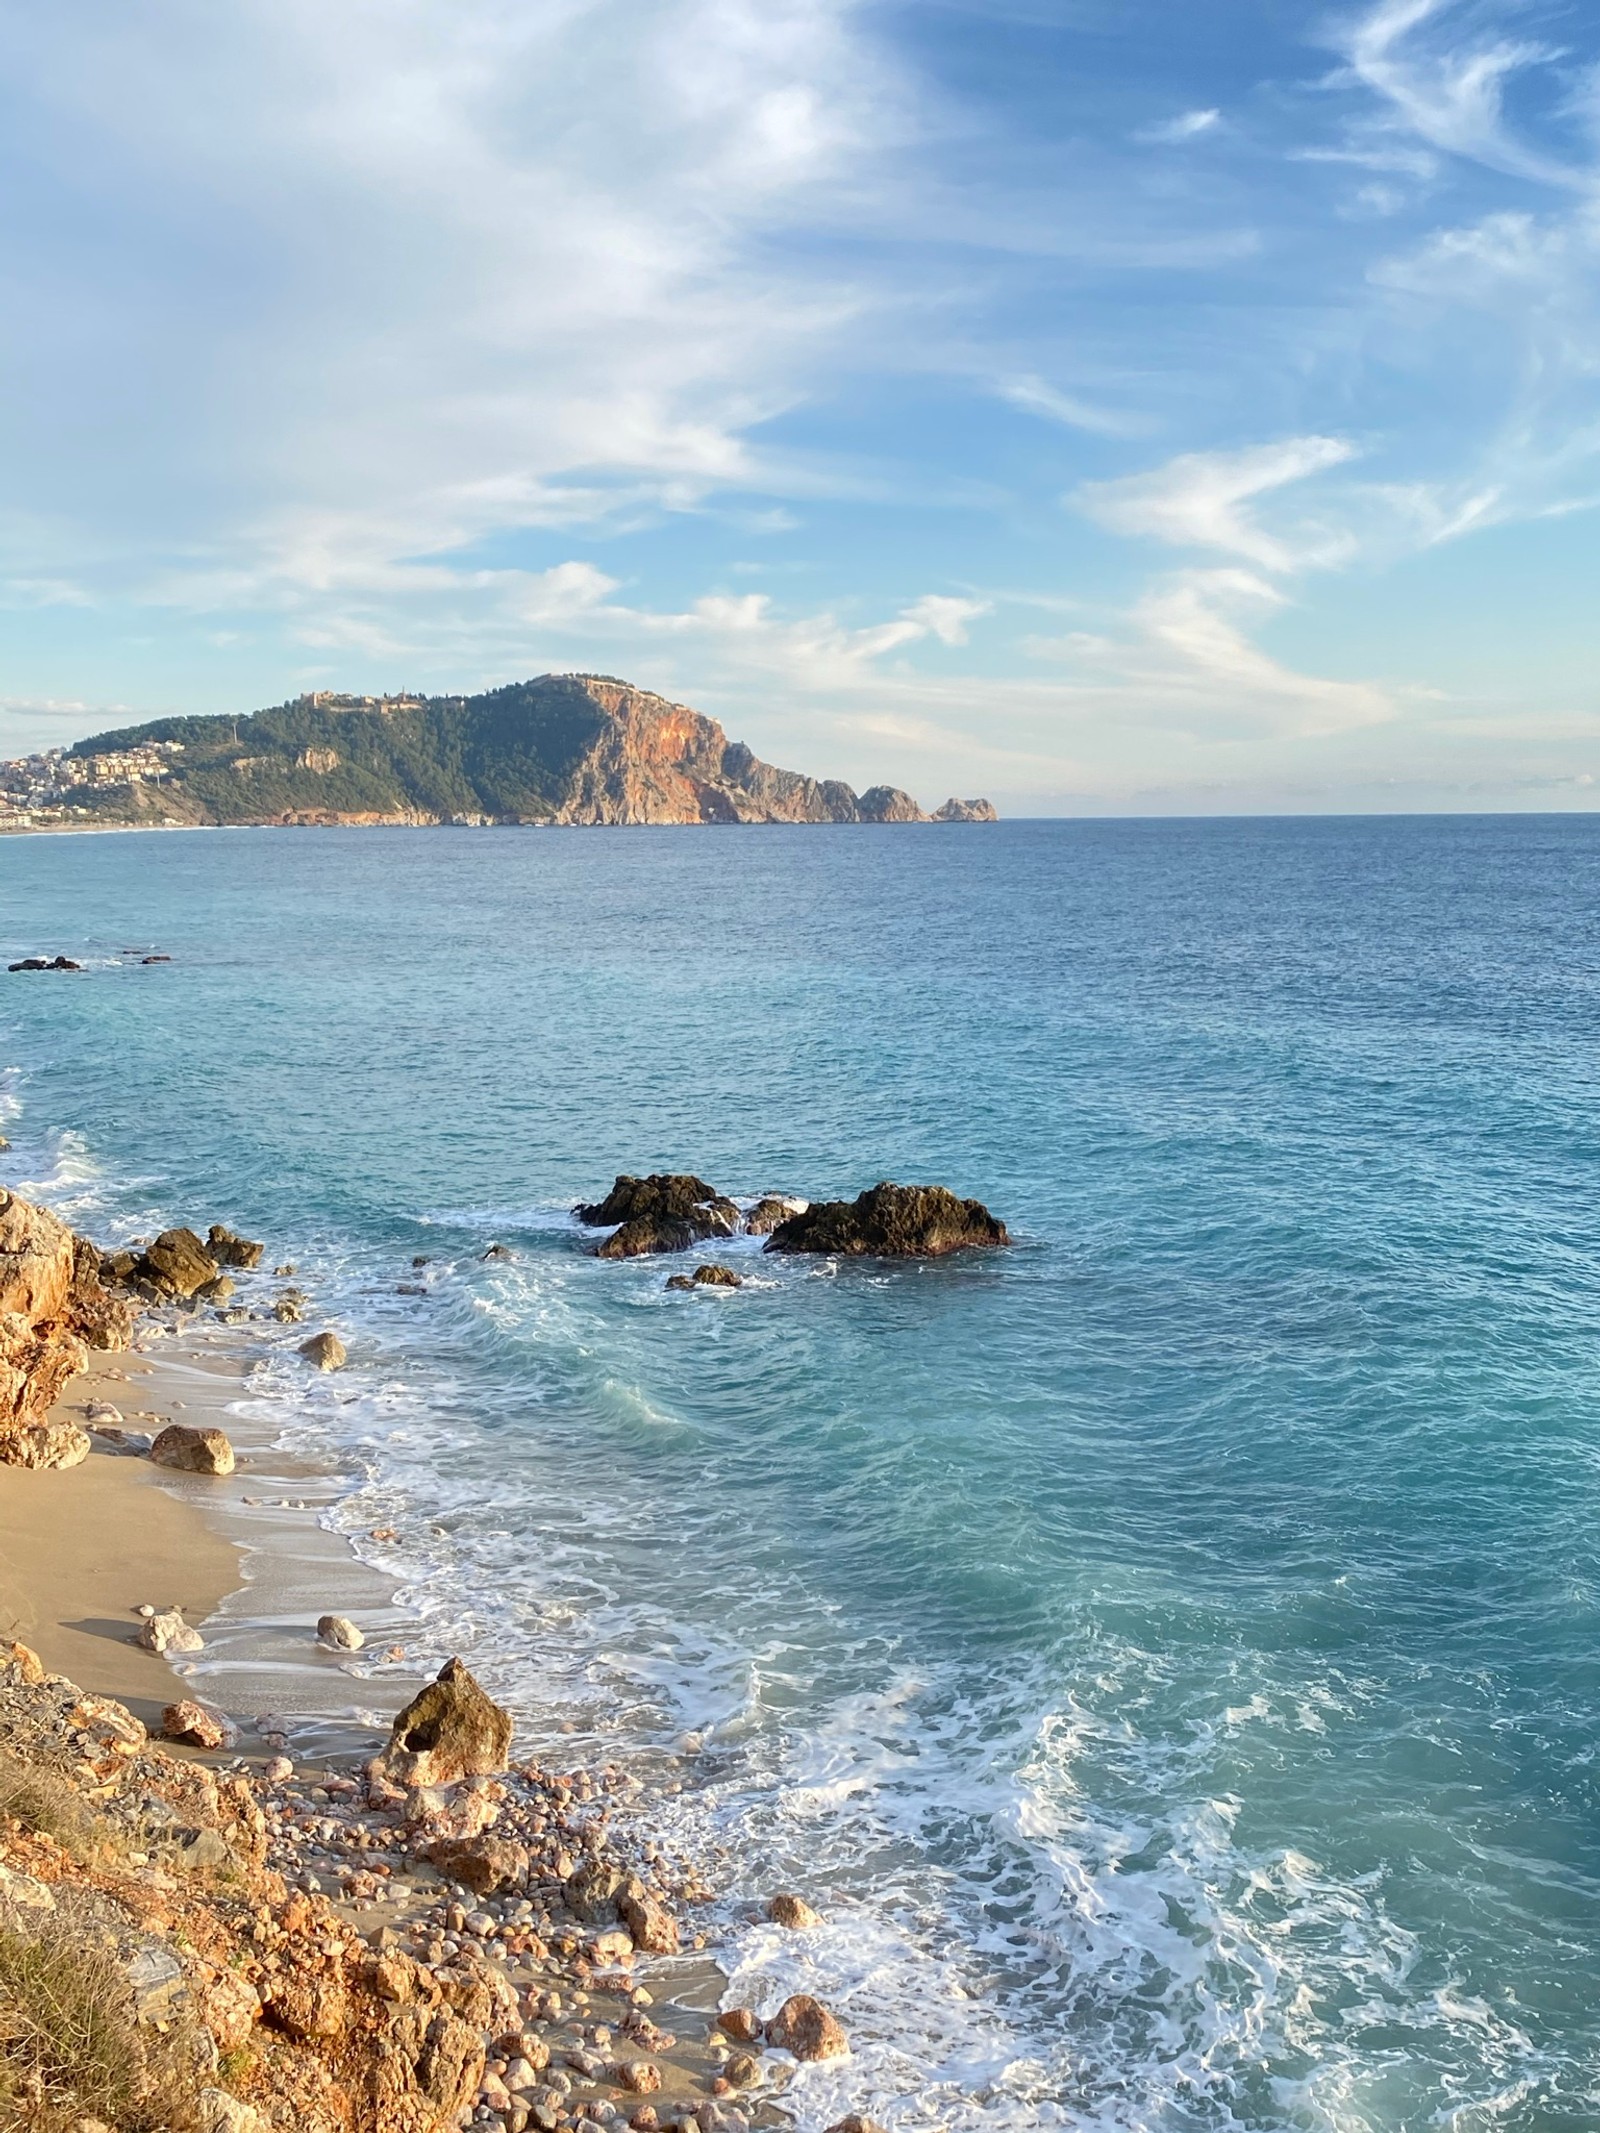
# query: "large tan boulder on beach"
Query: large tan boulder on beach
{"points": [[42, 1445], [452, 1730], [196, 1725], [486, 1865], [652, 1926], [36, 1260], [326, 1350], [193, 1451]]}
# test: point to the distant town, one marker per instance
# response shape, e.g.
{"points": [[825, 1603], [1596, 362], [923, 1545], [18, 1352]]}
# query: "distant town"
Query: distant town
{"points": [[52, 787]]}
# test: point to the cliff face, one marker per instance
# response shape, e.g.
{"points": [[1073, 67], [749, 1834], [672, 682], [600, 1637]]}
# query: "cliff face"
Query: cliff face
{"points": [[565, 748], [52, 1308]]}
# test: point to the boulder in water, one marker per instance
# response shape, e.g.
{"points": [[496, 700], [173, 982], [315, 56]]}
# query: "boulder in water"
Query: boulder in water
{"points": [[966, 811], [673, 1193], [793, 1912], [177, 1264], [804, 2027], [228, 1248], [891, 1222], [326, 1350], [665, 1212], [644, 1237]]}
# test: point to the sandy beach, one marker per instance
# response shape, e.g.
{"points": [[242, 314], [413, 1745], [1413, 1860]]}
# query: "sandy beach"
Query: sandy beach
{"points": [[79, 1551], [243, 1556], [546, 1980]]}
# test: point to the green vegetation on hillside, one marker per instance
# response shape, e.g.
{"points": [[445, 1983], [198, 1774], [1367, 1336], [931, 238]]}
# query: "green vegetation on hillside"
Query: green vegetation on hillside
{"points": [[508, 753]]}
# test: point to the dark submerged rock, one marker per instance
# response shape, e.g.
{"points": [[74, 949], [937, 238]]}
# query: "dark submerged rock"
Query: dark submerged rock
{"points": [[891, 1222], [707, 1277]]}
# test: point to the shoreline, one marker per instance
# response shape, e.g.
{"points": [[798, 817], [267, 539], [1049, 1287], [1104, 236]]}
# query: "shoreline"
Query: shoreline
{"points": [[82, 1550], [251, 1566]]}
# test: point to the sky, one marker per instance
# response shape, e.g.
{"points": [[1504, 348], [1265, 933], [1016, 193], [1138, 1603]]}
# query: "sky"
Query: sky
{"points": [[1104, 406]]}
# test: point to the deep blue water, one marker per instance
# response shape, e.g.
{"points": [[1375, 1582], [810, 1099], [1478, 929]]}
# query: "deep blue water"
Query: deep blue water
{"points": [[1171, 1647]]}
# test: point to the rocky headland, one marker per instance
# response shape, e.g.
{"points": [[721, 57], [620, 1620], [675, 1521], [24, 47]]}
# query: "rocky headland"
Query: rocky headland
{"points": [[562, 749]]}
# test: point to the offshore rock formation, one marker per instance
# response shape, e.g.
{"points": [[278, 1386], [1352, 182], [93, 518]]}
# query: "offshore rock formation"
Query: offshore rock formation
{"points": [[665, 1212], [563, 749], [891, 1222], [670, 1210]]}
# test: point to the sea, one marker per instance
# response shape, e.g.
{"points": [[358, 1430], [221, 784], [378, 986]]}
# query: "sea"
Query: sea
{"points": [[1167, 1650]]}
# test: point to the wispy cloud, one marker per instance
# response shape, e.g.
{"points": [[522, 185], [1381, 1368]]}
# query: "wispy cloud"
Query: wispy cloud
{"points": [[1173, 132], [1198, 501], [1035, 397], [1451, 92]]}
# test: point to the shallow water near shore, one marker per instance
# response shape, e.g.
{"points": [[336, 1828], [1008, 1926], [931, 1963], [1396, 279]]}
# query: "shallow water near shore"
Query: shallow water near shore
{"points": [[1168, 1650]]}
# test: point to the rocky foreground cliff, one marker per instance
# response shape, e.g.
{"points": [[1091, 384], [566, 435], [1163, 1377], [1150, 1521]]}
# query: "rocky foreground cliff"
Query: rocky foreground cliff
{"points": [[562, 749]]}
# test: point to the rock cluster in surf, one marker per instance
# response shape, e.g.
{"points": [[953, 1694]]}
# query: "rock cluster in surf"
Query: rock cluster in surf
{"points": [[670, 1211]]}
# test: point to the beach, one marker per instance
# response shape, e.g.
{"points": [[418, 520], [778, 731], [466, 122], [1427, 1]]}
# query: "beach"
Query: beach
{"points": [[543, 1994]]}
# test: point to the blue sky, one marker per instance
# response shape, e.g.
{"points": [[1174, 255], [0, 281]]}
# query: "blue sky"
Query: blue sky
{"points": [[1104, 405]]}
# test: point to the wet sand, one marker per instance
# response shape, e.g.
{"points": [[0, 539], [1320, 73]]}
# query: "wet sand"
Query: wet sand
{"points": [[243, 1556]]}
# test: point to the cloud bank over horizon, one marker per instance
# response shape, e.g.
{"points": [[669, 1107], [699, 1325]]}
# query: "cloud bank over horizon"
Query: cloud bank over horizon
{"points": [[1093, 406]]}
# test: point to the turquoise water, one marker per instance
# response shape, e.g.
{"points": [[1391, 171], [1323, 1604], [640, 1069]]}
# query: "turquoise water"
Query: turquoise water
{"points": [[1172, 1646]]}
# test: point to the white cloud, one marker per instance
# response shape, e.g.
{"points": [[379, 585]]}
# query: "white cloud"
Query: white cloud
{"points": [[1450, 95], [1035, 397], [1173, 132], [1198, 500], [393, 279], [1196, 619]]}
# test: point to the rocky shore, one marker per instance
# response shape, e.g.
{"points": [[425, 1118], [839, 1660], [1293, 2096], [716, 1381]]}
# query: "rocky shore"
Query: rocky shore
{"points": [[439, 1935], [344, 1950]]}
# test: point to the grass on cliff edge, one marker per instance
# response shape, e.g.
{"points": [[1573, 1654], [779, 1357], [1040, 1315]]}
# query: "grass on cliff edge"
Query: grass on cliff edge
{"points": [[46, 1804], [70, 2048]]}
